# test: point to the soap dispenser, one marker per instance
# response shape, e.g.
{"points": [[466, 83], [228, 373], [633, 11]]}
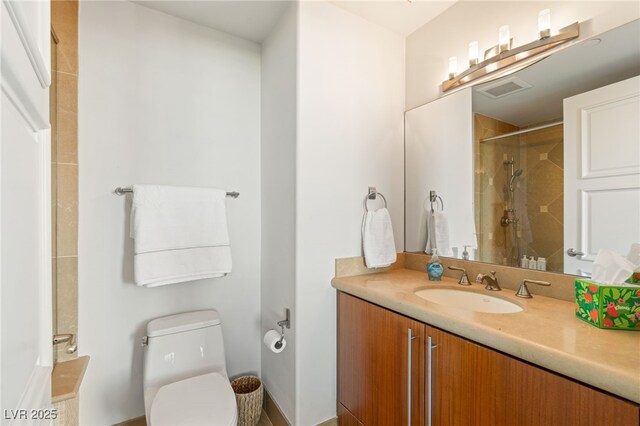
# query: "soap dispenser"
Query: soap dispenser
{"points": [[465, 253], [532, 263], [524, 262], [434, 268]]}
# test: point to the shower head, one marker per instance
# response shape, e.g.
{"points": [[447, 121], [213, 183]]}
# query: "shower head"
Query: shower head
{"points": [[515, 175]]}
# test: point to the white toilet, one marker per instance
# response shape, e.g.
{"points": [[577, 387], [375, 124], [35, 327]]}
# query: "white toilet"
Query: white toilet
{"points": [[185, 379]]}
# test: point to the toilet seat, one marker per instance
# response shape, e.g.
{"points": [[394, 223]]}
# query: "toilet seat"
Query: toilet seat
{"points": [[202, 400]]}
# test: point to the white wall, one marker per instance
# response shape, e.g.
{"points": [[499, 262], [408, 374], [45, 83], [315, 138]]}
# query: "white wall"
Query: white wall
{"points": [[437, 136], [164, 101], [449, 34], [278, 174], [350, 136]]}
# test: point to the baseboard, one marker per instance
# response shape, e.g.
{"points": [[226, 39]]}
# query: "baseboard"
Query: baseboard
{"points": [[278, 419], [138, 421], [273, 411], [330, 422]]}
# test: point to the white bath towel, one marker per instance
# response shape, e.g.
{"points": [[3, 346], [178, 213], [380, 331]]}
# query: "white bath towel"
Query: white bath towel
{"points": [[180, 234], [438, 234], [377, 239]]}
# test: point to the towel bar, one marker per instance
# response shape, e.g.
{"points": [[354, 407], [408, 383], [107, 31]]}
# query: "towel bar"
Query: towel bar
{"points": [[121, 191]]}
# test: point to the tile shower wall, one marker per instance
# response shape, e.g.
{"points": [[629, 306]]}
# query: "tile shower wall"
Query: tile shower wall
{"points": [[541, 155], [64, 169], [490, 187], [538, 195]]}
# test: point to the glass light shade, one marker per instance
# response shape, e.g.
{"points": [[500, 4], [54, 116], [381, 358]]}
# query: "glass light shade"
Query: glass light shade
{"points": [[503, 38], [544, 23], [473, 53], [453, 66]]}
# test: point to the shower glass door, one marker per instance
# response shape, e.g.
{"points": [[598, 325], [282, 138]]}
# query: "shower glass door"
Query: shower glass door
{"points": [[519, 192]]}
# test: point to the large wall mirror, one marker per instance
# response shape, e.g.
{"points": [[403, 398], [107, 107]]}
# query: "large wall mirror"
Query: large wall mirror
{"points": [[542, 163]]}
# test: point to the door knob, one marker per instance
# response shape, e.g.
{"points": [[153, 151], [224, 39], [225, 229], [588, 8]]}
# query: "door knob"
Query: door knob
{"points": [[572, 253]]}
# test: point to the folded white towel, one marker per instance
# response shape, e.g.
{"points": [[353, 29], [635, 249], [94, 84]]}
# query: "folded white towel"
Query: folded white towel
{"points": [[377, 239], [438, 234], [180, 234]]}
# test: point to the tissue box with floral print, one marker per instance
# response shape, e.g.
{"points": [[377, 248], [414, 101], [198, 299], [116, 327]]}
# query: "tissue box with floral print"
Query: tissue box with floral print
{"points": [[614, 307]]}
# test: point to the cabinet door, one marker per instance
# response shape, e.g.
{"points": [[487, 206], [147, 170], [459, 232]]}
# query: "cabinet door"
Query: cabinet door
{"points": [[378, 362], [474, 385], [467, 383]]}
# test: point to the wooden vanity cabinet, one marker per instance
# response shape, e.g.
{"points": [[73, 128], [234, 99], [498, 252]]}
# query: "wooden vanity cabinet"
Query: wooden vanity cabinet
{"points": [[470, 383], [376, 364], [475, 385]]}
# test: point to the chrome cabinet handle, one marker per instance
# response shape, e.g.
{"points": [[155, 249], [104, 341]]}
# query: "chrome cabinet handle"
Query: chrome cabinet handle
{"points": [[410, 338], [430, 348], [572, 253]]}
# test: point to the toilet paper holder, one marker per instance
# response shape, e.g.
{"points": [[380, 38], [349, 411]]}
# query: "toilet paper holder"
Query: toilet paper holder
{"points": [[287, 321], [283, 323]]}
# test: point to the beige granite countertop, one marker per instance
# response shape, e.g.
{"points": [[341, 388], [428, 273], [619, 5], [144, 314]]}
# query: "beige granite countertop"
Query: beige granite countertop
{"points": [[546, 333]]}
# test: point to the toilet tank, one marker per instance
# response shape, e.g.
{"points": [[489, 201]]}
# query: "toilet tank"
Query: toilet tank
{"points": [[182, 346]]}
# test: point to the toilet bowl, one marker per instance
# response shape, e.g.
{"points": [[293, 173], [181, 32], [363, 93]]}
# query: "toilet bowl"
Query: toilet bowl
{"points": [[185, 377]]}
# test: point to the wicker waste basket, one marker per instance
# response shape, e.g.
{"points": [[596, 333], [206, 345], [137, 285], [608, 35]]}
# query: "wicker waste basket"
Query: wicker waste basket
{"points": [[248, 390]]}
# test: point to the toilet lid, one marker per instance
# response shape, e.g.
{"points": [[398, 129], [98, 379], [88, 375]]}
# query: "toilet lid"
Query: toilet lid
{"points": [[200, 400]]}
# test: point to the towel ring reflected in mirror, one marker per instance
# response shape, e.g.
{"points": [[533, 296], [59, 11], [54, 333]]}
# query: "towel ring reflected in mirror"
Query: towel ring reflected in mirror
{"points": [[367, 198], [434, 198]]}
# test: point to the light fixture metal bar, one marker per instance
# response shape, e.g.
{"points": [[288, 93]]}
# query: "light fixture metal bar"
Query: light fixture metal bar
{"points": [[519, 132], [512, 56]]}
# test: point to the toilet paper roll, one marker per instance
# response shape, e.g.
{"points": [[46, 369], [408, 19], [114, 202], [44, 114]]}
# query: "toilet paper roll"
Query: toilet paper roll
{"points": [[272, 341]]}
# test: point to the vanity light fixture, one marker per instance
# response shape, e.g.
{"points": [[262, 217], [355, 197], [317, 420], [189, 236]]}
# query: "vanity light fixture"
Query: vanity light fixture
{"points": [[473, 53], [503, 39], [453, 67], [544, 23], [503, 55]]}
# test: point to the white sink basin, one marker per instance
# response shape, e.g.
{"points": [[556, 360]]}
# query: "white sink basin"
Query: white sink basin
{"points": [[465, 299]]}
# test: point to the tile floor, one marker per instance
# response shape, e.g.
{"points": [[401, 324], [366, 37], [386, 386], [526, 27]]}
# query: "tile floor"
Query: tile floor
{"points": [[140, 421]]}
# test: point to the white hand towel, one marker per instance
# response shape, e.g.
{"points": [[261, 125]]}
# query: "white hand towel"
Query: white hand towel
{"points": [[438, 234], [377, 239], [442, 234], [431, 234], [180, 234]]}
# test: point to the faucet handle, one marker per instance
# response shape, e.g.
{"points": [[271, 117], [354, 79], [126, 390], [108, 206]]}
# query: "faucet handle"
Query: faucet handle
{"points": [[464, 278], [523, 291], [72, 344]]}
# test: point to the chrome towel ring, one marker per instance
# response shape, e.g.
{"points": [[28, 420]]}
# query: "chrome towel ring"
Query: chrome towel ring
{"points": [[372, 195]]}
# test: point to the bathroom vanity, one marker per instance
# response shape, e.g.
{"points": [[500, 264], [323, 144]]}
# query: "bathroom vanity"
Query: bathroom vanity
{"points": [[402, 357]]}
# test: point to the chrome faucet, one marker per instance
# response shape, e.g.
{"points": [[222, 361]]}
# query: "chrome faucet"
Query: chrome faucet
{"points": [[523, 291], [491, 281], [464, 278]]}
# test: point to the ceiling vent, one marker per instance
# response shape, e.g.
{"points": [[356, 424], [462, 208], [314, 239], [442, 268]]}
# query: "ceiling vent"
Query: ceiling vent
{"points": [[504, 87]]}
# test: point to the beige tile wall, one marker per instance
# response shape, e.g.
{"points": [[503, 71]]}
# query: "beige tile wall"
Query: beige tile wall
{"points": [[64, 191], [538, 195], [494, 244], [64, 156], [543, 189]]}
